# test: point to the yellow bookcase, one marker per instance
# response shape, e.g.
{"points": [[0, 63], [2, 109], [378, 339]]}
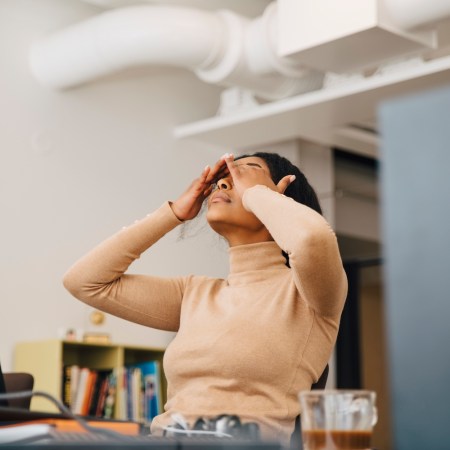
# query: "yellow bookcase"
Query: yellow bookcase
{"points": [[46, 360]]}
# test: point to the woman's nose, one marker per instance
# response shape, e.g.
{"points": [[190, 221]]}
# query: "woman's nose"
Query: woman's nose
{"points": [[224, 184]]}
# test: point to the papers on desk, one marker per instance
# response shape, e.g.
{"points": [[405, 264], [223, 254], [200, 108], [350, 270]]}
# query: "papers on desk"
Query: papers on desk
{"points": [[19, 433]]}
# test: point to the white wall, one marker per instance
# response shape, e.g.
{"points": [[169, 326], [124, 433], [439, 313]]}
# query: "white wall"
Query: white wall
{"points": [[77, 166]]}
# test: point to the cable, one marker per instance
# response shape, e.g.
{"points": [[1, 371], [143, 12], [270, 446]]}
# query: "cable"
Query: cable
{"points": [[68, 413], [194, 433]]}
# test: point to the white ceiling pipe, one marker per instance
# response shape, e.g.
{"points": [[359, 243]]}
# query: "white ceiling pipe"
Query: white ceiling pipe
{"points": [[261, 43], [411, 14], [250, 61], [124, 38], [221, 48]]}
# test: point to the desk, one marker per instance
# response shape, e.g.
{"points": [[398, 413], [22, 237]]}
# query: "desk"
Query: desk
{"points": [[150, 443], [63, 433], [54, 432]]}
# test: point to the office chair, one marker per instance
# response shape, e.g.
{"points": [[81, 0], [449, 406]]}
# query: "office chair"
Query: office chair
{"points": [[296, 435], [18, 382], [322, 381]]}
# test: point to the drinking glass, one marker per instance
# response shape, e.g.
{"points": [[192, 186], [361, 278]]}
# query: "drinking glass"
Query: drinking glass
{"points": [[337, 419]]}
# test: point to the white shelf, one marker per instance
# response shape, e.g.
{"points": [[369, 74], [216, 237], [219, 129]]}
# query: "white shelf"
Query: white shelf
{"points": [[323, 116]]}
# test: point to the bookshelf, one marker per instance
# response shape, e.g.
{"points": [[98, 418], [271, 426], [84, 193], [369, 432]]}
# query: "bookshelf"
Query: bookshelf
{"points": [[46, 361]]}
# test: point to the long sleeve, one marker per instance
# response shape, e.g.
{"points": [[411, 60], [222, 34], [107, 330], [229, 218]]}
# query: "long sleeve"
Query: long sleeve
{"points": [[310, 243], [98, 278]]}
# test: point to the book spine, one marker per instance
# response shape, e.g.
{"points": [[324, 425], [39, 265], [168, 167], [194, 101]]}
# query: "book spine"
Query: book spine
{"points": [[137, 410], [66, 386], [100, 393], [74, 381], [88, 392], [100, 406], [111, 407], [150, 390], [121, 411], [77, 406]]}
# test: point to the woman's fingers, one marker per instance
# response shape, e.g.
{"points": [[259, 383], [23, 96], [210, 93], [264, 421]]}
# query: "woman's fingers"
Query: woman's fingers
{"points": [[284, 183], [208, 191], [203, 186], [198, 185], [229, 160], [219, 170], [188, 205], [205, 173]]}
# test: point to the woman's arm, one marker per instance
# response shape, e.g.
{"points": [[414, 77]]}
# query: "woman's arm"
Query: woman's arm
{"points": [[98, 278], [300, 231], [310, 244]]}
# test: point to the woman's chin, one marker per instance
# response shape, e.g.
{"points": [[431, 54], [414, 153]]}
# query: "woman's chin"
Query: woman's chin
{"points": [[217, 221], [214, 217]]}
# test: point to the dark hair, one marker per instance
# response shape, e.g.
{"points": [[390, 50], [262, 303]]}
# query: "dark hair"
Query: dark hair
{"points": [[300, 190]]}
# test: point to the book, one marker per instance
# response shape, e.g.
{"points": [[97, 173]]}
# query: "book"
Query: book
{"points": [[131, 392], [74, 380], [88, 392], [78, 400], [85, 390], [66, 386], [23, 432], [128, 392], [136, 394], [101, 400], [43, 426], [113, 401], [150, 389], [97, 403], [69, 384]]}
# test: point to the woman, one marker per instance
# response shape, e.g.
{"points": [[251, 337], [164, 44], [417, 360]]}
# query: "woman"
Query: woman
{"points": [[247, 344]]}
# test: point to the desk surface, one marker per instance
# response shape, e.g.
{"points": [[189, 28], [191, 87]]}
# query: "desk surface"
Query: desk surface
{"points": [[83, 441], [47, 435], [56, 436]]}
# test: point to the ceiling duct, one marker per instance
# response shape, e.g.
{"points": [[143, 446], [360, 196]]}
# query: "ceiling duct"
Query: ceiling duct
{"points": [[414, 14], [284, 52], [220, 47]]}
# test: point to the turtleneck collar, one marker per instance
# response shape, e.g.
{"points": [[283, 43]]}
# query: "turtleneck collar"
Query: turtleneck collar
{"points": [[249, 263]]}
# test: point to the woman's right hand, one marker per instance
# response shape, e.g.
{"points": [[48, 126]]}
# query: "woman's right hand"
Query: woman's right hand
{"points": [[188, 205]]}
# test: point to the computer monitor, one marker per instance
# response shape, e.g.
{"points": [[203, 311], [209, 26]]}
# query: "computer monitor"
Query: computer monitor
{"points": [[415, 169]]}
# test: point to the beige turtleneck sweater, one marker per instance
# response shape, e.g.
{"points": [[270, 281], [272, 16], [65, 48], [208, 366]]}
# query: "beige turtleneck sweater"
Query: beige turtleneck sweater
{"points": [[246, 344]]}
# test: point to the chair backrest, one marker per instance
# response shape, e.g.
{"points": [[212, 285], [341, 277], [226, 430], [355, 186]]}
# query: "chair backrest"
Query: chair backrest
{"points": [[18, 382], [296, 435], [322, 381]]}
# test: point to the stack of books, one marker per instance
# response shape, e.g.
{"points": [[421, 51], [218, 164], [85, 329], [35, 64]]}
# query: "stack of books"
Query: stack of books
{"points": [[89, 392], [131, 393], [141, 392]]}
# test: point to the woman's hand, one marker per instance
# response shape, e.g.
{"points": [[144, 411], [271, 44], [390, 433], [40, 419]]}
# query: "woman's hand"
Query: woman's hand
{"points": [[188, 205], [245, 176]]}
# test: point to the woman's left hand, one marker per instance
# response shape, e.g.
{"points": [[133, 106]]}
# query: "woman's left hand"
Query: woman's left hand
{"points": [[246, 176]]}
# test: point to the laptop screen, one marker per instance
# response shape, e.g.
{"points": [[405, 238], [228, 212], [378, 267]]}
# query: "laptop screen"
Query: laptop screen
{"points": [[2, 388]]}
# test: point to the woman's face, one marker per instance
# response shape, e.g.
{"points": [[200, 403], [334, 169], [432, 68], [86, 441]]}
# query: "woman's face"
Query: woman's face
{"points": [[226, 214]]}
